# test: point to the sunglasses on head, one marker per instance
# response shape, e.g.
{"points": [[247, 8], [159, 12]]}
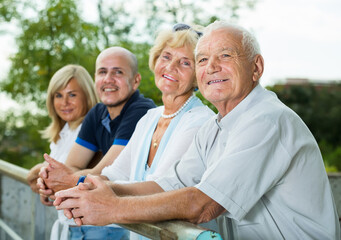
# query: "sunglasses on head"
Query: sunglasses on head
{"points": [[182, 26]]}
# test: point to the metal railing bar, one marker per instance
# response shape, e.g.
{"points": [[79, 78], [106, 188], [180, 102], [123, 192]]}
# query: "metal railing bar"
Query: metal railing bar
{"points": [[9, 231], [13, 171]]}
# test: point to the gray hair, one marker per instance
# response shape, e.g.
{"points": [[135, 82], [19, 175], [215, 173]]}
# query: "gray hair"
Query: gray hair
{"points": [[249, 41]]}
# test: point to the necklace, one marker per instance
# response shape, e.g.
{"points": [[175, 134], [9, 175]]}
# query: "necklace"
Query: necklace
{"points": [[156, 140], [180, 109]]}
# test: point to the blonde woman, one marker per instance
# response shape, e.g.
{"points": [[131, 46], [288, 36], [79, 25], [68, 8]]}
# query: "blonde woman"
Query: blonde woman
{"points": [[70, 96]]}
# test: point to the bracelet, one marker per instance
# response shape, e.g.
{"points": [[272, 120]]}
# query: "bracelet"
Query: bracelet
{"points": [[81, 180]]}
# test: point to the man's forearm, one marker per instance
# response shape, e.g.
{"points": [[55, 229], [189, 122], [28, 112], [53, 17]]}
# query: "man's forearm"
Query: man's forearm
{"points": [[63, 183], [79, 157], [135, 189], [184, 204]]}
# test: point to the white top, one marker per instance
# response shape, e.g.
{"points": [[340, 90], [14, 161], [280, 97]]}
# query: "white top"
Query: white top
{"points": [[60, 151], [262, 164], [135, 154]]}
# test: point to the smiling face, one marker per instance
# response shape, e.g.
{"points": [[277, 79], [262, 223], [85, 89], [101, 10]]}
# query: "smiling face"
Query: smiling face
{"points": [[114, 79], [70, 103], [175, 71], [225, 76]]}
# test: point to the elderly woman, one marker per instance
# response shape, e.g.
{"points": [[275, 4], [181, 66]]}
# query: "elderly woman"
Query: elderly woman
{"points": [[70, 96]]}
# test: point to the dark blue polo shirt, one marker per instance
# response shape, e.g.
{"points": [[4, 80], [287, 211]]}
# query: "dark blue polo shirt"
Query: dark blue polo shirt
{"points": [[99, 132]]}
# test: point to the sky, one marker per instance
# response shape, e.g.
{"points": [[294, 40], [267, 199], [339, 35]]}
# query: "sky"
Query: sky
{"points": [[298, 39]]}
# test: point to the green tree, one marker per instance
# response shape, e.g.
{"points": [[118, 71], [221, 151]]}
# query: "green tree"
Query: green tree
{"points": [[21, 143], [56, 37], [114, 24], [8, 10]]}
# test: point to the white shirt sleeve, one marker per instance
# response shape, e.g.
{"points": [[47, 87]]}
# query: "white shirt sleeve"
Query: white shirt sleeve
{"points": [[122, 167], [252, 162]]}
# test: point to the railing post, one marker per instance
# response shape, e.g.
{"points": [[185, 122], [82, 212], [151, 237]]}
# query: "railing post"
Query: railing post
{"points": [[33, 213]]}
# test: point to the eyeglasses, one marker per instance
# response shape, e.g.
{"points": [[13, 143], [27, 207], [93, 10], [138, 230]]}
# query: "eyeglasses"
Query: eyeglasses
{"points": [[182, 26]]}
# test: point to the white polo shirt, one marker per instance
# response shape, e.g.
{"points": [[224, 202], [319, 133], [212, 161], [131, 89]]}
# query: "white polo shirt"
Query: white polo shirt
{"points": [[263, 165]]}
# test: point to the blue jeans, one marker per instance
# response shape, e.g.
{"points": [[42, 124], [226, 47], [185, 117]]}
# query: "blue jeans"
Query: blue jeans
{"points": [[94, 232]]}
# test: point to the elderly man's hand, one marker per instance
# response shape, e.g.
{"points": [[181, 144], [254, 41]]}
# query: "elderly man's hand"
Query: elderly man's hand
{"points": [[57, 176], [89, 203]]}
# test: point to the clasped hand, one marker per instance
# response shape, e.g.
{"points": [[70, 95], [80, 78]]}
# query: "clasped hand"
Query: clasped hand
{"points": [[52, 178], [88, 203]]}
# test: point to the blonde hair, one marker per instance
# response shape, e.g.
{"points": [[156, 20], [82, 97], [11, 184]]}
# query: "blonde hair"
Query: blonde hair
{"points": [[59, 81], [174, 39]]}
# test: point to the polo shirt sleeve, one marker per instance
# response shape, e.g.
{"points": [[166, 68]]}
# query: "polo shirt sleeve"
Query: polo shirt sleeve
{"points": [[87, 134], [128, 123], [253, 161]]}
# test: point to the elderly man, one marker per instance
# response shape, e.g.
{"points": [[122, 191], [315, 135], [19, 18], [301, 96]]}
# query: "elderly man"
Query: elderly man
{"points": [[255, 165]]}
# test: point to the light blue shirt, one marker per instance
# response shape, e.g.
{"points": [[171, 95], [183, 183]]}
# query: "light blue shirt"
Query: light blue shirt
{"points": [[262, 164]]}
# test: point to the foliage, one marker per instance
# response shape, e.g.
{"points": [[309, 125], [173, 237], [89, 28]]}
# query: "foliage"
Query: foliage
{"points": [[331, 155], [114, 25], [55, 38], [205, 101], [23, 145], [8, 10], [147, 86], [320, 109]]}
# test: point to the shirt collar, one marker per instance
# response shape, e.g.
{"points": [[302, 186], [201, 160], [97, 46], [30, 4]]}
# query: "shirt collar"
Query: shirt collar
{"points": [[231, 118], [106, 123], [106, 116]]}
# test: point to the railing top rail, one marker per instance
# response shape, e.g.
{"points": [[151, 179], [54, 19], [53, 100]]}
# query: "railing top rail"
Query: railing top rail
{"points": [[13, 171], [334, 174]]}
